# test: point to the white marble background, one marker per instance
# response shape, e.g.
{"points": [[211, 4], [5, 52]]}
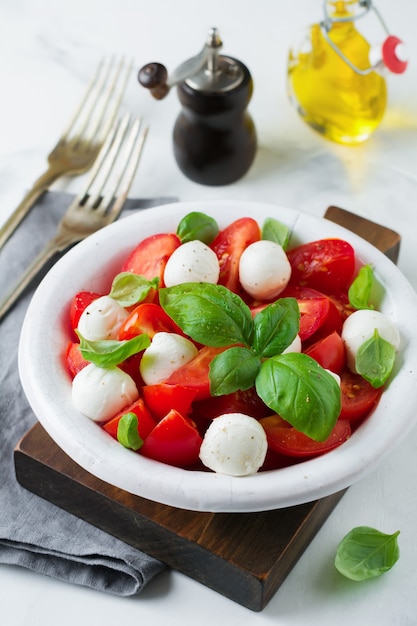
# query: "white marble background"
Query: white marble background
{"points": [[48, 50]]}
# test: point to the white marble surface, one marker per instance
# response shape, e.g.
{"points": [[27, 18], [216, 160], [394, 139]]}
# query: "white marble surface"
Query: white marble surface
{"points": [[47, 52]]}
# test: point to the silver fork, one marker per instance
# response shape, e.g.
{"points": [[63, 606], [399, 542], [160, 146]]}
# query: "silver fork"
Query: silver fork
{"points": [[99, 203], [80, 142]]}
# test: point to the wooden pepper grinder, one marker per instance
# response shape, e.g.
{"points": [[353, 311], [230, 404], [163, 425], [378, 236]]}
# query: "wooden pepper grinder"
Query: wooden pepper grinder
{"points": [[214, 135]]}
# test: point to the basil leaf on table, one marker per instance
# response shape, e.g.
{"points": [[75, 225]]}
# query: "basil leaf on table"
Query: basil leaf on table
{"points": [[110, 352], [366, 553], [297, 388], [209, 314], [233, 370], [375, 360], [196, 225], [128, 288], [275, 327]]}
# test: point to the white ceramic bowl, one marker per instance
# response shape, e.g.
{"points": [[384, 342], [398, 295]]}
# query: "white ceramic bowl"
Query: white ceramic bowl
{"points": [[91, 265]]}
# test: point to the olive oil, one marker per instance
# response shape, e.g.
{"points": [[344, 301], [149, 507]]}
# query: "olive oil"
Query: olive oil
{"points": [[328, 92]]}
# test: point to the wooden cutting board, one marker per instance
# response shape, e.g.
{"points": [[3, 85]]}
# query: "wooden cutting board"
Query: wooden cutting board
{"points": [[244, 556]]}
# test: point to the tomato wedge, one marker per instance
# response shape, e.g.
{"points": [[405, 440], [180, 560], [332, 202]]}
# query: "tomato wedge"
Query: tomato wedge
{"points": [[147, 318], [79, 302], [195, 374], [285, 439], [161, 398], [247, 402], [175, 440], [329, 352], [358, 397], [74, 359], [319, 315], [229, 245], [150, 256], [145, 421], [326, 264]]}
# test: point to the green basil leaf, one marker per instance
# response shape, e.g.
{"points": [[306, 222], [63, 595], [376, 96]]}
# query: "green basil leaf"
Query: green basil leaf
{"points": [[128, 288], [297, 388], [375, 360], [359, 292], [275, 327], [127, 432], [209, 314], [109, 352], [197, 225], [273, 230], [366, 553], [232, 370]]}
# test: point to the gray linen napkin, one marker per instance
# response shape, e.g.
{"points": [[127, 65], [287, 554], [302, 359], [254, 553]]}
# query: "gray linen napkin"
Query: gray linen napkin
{"points": [[33, 532]]}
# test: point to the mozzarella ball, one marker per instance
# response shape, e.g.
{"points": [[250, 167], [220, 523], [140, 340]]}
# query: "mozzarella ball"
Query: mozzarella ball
{"points": [[102, 319], [295, 345], [234, 444], [264, 270], [167, 353], [360, 326], [192, 262], [101, 393]]}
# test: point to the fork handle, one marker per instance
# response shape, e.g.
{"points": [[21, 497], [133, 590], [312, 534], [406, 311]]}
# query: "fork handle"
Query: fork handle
{"points": [[58, 244], [20, 212]]}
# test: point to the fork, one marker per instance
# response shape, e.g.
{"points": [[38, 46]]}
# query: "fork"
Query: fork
{"points": [[81, 140], [98, 204]]}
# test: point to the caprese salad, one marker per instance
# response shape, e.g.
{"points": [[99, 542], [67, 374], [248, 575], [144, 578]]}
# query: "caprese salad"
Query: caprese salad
{"points": [[228, 350]]}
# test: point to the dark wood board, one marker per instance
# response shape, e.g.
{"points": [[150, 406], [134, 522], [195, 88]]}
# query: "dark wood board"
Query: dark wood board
{"points": [[244, 556]]}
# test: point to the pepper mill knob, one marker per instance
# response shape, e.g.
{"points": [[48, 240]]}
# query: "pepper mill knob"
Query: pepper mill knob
{"points": [[154, 76]]}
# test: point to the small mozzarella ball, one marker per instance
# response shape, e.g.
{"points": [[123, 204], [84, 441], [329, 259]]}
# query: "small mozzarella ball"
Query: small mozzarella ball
{"points": [[102, 319], [167, 353], [234, 444], [295, 345], [100, 393], [192, 262], [360, 326], [264, 270]]}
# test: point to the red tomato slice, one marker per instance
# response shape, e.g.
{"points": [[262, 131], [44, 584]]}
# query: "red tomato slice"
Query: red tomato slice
{"points": [[247, 402], [79, 302], [358, 397], [131, 367], [329, 352], [319, 315], [175, 440], [195, 374], [161, 398], [285, 439], [74, 359], [150, 256], [326, 264], [229, 245], [145, 421], [147, 318]]}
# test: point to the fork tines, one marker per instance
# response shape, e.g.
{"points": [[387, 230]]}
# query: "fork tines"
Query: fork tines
{"points": [[115, 167], [98, 108]]}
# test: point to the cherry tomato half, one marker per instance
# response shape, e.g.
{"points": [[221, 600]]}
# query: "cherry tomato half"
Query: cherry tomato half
{"points": [[175, 440], [326, 264], [319, 315], [229, 245], [247, 402], [285, 439], [150, 256], [358, 396], [161, 398], [329, 352]]}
